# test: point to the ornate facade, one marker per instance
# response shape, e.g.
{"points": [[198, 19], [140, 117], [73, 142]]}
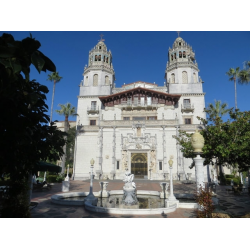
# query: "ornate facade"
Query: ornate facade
{"points": [[132, 127]]}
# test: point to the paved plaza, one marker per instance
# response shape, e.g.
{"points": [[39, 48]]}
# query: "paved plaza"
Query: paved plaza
{"points": [[235, 205]]}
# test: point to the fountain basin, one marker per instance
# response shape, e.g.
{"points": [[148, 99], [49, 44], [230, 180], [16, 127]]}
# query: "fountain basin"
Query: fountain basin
{"points": [[62, 200]]}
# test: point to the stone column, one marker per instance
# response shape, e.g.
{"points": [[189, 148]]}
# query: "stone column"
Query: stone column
{"points": [[100, 142], [113, 157], [164, 151]]}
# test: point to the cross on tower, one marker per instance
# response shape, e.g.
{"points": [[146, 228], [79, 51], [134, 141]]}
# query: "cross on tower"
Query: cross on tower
{"points": [[101, 38], [178, 32]]}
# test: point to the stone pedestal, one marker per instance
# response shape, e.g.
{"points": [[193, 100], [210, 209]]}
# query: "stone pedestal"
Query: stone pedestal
{"points": [[172, 202], [199, 172], [182, 176], [65, 186], [189, 176]]}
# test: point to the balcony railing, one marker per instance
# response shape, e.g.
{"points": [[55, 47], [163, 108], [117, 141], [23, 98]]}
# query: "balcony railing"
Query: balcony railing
{"points": [[187, 107], [93, 110]]}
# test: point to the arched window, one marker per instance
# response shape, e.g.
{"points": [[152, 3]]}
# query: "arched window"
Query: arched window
{"points": [[174, 55], [171, 57], [104, 58], [95, 58], [106, 80], [172, 78], [184, 54], [107, 60], [195, 78], [184, 77], [99, 58], [180, 54], [95, 82], [86, 82]]}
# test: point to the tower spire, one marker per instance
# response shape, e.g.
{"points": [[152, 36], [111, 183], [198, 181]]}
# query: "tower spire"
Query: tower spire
{"points": [[101, 40], [178, 32]]}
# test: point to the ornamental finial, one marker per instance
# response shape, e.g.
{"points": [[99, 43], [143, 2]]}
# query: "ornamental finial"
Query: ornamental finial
{"points": [[101, 40], [178, 32]]}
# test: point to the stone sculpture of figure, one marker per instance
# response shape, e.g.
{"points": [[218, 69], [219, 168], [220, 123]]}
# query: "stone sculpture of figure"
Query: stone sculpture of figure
{"points": [[129, 180]]}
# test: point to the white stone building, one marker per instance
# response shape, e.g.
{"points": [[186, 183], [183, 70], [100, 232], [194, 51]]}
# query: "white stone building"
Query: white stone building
{"points": [[132, 127]]}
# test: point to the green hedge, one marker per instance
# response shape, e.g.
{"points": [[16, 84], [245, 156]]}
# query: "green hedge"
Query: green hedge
{"points": [[231, 176], [236, 181], [51, 178]]}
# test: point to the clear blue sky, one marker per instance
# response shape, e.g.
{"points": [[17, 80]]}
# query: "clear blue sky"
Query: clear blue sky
{"points": [[143, 56]]}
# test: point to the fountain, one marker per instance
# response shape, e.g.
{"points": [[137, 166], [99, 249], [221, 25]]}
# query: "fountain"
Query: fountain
{"points": [[129, 190], [129, 200]]}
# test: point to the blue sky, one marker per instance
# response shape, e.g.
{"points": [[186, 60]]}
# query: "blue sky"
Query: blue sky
{"points": [[142, 55]]}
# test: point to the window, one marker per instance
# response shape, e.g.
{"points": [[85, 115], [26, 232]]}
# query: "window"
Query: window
{"points": [[187, 120], [184, 77], [93, 105], [106, 80], [184, 54], [174, 55], [172, 78], [95, 82], [92, 122], [160, 165], [149, 100], [100, 47], [142, 101], [107, 60], [139, 118], [126, 118], [179, 44], [117, 165], [186, 103], [95, 57], [152, 118], [104, 58], [195, 78], [99, 58], [86, 82], [180, 54]]}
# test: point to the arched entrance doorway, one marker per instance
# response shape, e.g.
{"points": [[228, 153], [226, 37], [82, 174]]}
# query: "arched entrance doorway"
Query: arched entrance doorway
{"points": [[139, 165]]}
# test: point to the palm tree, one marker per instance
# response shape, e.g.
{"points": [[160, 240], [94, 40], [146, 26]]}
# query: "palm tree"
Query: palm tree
{"points": [[244, 76], [66, 110], [54, 76], [234, 75], [217, 110]]}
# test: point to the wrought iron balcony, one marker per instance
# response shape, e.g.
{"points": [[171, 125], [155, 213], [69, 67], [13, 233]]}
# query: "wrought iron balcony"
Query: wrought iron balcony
{"points": [[187, 107], [93, 110]]}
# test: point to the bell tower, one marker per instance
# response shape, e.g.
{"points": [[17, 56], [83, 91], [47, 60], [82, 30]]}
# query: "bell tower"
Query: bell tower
{"points": [[182, 73], [99, 75]]}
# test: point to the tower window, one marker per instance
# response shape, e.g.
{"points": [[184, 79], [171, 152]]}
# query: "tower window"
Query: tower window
{"points": [[195, 78], [107, 60], [86, 82], [100, 47], [104, 58], [95, 80], [184, 76], [184, 54], [179, 44], [99, 58], [95, 58], [180, 54], [174, 55], [172, 78], [106, 80], [117, 165]]}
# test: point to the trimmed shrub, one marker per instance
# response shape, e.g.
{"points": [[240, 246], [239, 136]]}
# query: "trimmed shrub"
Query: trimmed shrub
{"points": [[51, 178], [231, 176], [236, 181]]}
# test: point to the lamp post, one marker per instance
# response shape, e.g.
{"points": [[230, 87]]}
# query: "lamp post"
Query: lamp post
{"points": [[90, 197], [171, 196]]}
